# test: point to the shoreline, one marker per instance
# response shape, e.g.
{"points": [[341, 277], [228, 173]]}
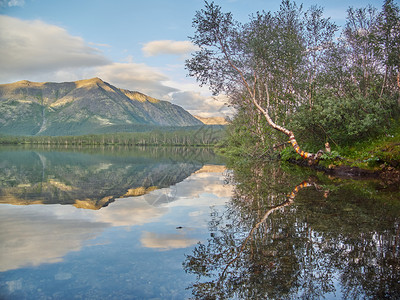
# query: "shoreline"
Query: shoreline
{"points": [[386, 173]]}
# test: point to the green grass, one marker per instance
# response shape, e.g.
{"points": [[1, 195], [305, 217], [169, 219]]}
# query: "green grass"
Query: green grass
{"points": [[372, 154], [375, 153]]}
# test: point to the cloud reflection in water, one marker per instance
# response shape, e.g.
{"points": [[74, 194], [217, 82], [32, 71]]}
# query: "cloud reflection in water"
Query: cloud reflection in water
{"points": [[32, 235]]}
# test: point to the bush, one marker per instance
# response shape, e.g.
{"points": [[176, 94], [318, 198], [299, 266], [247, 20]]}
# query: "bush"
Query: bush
{"points": [[343, 120], [288, 153]]}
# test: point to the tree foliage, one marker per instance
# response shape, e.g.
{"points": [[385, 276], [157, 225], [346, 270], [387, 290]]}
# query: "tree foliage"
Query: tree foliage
{"points": [[207, 135], [292, 67]]}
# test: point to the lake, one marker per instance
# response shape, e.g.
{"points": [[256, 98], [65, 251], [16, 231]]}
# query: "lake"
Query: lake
{"points": [[176, 223]]}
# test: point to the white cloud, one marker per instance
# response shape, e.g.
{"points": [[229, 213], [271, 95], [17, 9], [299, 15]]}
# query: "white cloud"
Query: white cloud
{"points": [[99, 45], [29, 48], [35, 236], [204, 106], [134, 76], [168, 47], [11, 3], [132, 211], [189, 191], [189, 99], [37, 51], [165, 241]]}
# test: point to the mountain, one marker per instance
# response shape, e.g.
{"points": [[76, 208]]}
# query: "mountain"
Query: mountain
{"points": [[212, 120], [82, 107]]}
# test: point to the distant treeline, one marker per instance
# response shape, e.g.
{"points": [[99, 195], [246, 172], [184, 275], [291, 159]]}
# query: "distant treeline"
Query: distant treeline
{"points": [[206, 135]]}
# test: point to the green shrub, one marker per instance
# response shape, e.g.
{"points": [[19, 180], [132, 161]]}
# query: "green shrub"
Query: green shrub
{"points": [[343, 120], [288, 153]]}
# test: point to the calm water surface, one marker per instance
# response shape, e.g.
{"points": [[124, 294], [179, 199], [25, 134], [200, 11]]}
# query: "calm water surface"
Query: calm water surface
{"points": [[167, 223]]}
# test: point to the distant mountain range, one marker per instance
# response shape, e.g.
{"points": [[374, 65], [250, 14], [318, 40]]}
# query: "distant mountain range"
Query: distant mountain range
{"points": [[89, 106], [213, 120]]}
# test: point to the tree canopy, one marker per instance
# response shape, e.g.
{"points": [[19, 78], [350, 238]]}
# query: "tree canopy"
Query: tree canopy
{"points": [[293, 69]]}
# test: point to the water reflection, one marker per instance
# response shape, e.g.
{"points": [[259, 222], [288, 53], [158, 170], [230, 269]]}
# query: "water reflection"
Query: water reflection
{"points": [[131, 249], [89, 179], [32, 235], [326, 237], [279, 237]]}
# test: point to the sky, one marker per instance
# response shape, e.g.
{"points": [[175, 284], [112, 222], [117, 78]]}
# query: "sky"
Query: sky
{"points": [[139, 45]]}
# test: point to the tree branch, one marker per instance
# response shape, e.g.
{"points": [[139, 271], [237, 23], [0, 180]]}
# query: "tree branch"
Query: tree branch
{"points": [[289, 201]]}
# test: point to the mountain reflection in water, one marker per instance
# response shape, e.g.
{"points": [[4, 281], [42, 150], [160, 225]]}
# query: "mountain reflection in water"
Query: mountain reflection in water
{"points": [[92, 180], [133, 248]]}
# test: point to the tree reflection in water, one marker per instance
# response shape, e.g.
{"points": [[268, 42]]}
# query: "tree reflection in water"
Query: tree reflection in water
{"points": [[338, 238]]}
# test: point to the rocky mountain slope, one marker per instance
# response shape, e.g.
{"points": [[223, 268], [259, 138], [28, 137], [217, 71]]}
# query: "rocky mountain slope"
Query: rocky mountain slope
{"points": [[82, 107]]}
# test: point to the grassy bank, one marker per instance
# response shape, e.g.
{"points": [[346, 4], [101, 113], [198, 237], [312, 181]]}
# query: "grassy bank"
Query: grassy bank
{"points": [[375, 154]]}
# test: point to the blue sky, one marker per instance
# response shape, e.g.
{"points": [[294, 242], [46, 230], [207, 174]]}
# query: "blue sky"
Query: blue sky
{"points": [[134, 44]]}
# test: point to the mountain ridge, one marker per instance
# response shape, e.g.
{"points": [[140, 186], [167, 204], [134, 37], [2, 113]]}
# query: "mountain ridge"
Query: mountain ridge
{"points": [[87, 106], [212, 120]]}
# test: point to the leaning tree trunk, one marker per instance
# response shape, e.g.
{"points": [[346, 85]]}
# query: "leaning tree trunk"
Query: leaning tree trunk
{"points": [[289, 200], [312, 158]]}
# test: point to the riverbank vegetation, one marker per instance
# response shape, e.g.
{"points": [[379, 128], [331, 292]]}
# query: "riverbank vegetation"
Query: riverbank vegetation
{"points": [[294, 73], [373, 153]]}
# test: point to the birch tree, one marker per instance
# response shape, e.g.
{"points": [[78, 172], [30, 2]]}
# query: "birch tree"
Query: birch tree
{"points": [[259, 65]]}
